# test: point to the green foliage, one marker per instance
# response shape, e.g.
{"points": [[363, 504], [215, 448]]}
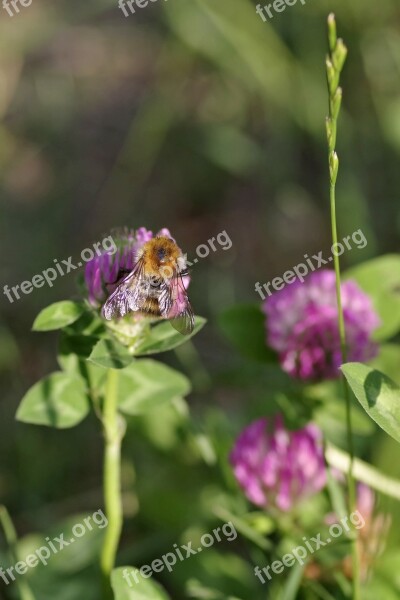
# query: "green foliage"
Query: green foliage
{"points": [[380, 279], [69, 573], [377, 394], [58, 315], [78, 345], [110, 354], [59, 400], [147, 384], [72, 358], [86, 351], [164, 337], [244, 129], [146, 589]]}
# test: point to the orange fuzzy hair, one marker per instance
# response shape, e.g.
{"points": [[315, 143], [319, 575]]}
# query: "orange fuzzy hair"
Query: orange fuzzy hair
{"points": [[159, 253]]}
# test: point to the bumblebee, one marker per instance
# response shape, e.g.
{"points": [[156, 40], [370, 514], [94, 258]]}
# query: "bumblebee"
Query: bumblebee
{"points": [[155, 286]]}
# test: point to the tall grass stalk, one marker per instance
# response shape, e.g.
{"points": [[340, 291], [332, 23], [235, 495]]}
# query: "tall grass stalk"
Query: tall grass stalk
{"points": [[334, 65]]}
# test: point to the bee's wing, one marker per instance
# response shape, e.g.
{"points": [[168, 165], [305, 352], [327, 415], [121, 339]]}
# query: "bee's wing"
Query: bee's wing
{"points": [[129, 294], [174, 305]]}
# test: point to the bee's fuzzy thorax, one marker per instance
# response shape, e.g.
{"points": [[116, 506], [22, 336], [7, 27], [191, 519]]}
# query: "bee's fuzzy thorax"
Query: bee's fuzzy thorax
{"points": [[160, 252]]}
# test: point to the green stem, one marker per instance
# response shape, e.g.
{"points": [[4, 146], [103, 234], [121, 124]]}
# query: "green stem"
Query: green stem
{"points": [[349, 426], [336, 262], [334, 65], [113, 434], [11, 537]]}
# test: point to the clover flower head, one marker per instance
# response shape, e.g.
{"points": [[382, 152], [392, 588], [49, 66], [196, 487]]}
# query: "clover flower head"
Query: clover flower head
{"points": [[302, 326], [276, 467]]}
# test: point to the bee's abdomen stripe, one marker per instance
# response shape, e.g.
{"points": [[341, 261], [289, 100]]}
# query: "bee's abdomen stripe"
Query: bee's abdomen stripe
{"points": [[150, 305]]}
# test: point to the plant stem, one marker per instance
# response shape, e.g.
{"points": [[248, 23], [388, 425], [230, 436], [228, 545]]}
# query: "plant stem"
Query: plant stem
{"points": [[10, 534], [342, 332], [334, 65], [113, 433]]}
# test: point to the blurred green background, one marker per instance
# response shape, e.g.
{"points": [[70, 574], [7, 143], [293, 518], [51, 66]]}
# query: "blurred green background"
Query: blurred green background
{"points": [[196, 116]]}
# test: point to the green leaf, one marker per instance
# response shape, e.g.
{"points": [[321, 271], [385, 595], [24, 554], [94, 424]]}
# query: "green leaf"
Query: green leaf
{"points": [[146, 384], [72, 355], [110, 354], [377, 394], [89, 323], [244, 326], [58, 315], [380, 279], [146, 589], [59, 400], [77, 556], [80, 345], [163, 337]]}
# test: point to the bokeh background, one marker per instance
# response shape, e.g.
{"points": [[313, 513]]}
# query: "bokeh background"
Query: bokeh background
{"points": [[196, 116]]}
